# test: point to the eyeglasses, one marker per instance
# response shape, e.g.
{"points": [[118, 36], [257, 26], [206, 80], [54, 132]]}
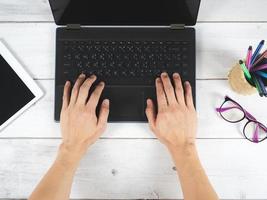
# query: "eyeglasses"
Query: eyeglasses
{"points": [[232, 112]]}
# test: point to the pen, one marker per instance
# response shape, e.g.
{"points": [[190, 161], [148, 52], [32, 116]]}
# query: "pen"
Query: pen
{"points": [[264, 55], [260, 67], [257, 85], [248, 60], [257, 51], [262, 74], [262, 86], [245, 70]]}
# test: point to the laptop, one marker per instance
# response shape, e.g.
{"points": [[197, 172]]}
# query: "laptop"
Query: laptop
{"points": [[126, 44]]}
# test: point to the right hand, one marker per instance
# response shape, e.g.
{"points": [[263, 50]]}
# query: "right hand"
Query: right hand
{"points": [[175, 123]]}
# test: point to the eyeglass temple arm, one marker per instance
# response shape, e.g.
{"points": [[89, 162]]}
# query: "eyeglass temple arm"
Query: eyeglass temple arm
{"points": [[256, 134], [228, 108]]}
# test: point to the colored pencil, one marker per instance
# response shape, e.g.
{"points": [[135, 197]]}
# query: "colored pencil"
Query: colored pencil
{"points": [[257, 51]]}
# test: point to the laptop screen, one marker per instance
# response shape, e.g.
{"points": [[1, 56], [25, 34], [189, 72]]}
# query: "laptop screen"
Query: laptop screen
{"points": [[125, 12]]}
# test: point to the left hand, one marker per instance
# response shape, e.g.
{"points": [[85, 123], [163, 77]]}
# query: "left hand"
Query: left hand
{"points": [[80, 127]]}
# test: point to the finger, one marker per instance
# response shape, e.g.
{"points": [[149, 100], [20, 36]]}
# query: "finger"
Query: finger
{"points": [[66, 96], [151, 114], [188, 95], [95, 96], [168, 88], [179, 91], [103, 115], [84, 90], [75, 89], [161, 98]]}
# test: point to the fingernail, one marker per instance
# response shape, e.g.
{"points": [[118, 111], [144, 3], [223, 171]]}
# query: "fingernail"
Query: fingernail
{"points": [[93, 76], [82, 76], [164, 74], [101, 83], [176, 75], [106, 102], [187, 83], [158, 80]]}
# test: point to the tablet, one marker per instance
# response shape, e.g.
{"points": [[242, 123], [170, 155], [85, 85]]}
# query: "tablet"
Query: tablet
{"points": [[18, 91]]}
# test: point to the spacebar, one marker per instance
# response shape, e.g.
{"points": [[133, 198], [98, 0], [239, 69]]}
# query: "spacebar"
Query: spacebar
{"points": [[129, 81]]}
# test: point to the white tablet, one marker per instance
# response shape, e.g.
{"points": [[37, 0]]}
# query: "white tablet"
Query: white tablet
{"points": [[18, 91]]}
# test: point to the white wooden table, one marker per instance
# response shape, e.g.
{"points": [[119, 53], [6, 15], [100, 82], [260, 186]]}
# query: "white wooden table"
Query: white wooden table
{"points": [[128, 162]]}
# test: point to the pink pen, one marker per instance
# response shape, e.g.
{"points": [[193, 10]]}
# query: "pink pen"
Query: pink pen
{"points": [[249, 55]]}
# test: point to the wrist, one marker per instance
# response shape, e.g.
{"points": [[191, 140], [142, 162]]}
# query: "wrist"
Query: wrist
{"points": [[184, 155], [69, 157], [184, 150]]}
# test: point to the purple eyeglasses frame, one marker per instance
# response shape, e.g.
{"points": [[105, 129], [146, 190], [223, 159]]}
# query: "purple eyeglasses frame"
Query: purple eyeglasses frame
{"points": [[247, 116]]}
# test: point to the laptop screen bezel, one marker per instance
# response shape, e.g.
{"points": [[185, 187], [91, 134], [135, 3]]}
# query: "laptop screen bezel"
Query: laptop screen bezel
{"points": [[111, 24]]}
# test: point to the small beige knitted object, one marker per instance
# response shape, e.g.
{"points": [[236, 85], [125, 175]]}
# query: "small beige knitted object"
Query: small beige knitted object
{"points": [[238, 82]]}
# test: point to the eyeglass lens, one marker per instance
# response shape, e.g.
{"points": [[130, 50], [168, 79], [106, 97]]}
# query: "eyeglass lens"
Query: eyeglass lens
{"points": [[232, 112], [255, 132]]}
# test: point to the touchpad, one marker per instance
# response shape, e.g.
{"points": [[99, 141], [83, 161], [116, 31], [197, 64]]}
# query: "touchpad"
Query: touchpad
{"points": [[126, 103]]}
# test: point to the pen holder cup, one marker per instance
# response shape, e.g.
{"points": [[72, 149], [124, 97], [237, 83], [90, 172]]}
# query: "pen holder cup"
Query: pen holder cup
{"points": [[238, 81]]}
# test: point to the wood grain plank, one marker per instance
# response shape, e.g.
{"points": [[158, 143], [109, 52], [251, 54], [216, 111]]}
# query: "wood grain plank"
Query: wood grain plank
{"points": [[219, 46], [232, 10], [29, 10], [210, 10], [33, 45], [143, 170], [38, 121]]}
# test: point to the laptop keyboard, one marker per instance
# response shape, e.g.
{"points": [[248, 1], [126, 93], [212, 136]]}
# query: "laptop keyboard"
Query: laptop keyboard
{"points": [[124, 62]]}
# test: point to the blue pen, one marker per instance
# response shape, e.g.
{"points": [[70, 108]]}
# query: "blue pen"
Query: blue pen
{"points": [[257, 51], [262, 74]]}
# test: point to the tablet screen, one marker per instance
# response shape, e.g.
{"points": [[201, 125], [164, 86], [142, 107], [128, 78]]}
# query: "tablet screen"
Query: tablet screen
{"points": [[14, 93]]}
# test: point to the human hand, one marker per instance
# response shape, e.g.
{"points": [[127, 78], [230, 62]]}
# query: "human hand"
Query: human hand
{"points": [[80, 127], [175, 123]]}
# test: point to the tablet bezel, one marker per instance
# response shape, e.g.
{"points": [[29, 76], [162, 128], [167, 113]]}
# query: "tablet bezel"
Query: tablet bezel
{"points": [[25, 77]]}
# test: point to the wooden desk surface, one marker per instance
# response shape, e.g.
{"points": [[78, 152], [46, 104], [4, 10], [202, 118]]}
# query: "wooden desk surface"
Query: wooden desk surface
{"points": [[128, 162]]}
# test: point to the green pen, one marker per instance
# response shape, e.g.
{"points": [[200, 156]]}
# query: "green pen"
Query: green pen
{"points": [[245, 70]]}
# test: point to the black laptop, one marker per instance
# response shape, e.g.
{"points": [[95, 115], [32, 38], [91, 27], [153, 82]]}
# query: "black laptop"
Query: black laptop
{"points": [[126, 44]]}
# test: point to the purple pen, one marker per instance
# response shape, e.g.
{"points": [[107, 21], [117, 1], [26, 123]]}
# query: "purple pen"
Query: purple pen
{"points": [[263, 55], [261, 67]]}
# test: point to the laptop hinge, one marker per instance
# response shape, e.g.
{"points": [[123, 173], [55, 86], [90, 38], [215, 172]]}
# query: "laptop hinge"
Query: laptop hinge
{"points": [[73, 26], [177, 26]]}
